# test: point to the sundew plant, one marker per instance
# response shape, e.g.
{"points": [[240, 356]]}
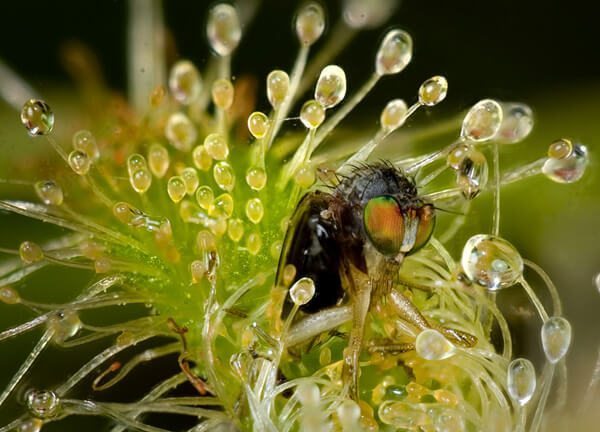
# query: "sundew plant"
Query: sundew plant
{"points": [[188, 208]]}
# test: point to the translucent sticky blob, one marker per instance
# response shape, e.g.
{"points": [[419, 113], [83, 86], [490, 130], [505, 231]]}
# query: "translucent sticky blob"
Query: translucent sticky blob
{"points": [[191, 180], [308, 393], [491, 262], [556, 338], [278, 85], [30, 252], [302, 291], [180, 132], [517, 123], [37, 117], [224, 176], [84, 141], [255, 210], [202, 160], [158, 160], [331, 86], [258, 124], [348, 412], [432, 345], [235, 229], [360, 14], [310, 23], [79, 162], [65, 324], [216, 146], [472, 172], [204, 196], [176, 188], [222, 206], [222, 93], [141, 180], [433, 91], [223, 29], [184, 82], [569, 168], [521, 380], [393, 115], [256, 178], [49, 192], [483, 121], [394, 53], [43, 404], [305, 177], [312, 114]]}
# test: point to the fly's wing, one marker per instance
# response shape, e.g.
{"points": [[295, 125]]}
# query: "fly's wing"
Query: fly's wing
{"points": [[311, 245]]}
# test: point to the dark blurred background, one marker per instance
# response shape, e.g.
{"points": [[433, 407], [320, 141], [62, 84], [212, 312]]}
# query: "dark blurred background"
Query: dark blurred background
{"points": [[544, 53]]}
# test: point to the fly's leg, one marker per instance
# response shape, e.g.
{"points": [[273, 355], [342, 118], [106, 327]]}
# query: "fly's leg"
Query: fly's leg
{"points": [[409, 312]]}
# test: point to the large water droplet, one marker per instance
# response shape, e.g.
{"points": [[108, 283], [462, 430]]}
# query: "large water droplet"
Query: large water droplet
{"points": [[556, 338], [432, 345], [158, 160], [491, 262], [30, 252], [84, 141], [184, 82], [258, 124], [521, 380], [302, 291], [517, 123], [278, 84], [223, 29], [308, 393], [79, 162], [65, 324], [349, 414], [224, 176], [331, 86], [216, 146], [394, 53], [37, 117], [43, 404], [367, 14], [180, 132], [568, 169], [312, 114], [483, 121]]}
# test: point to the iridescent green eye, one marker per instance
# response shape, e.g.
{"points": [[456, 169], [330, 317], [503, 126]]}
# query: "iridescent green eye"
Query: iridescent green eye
{"points": [[384, 224], [426, 215]]}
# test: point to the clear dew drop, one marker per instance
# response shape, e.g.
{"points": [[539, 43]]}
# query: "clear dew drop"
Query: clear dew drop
{"points": [[310, 23], [205, 196], [516, 124], [401, 415], [222, 206], [135, 162], [184, 82], [331, 86], [191, 180], [84, 141], [202, 159], [125, 212], [521, 380], [302, 291], [235, 229], [43, 404], [30, 252], [181, 132], [256, 178], [79, 162], [308, 393], [394, 53], [216, 146], [49, 192], [305, 177], [254, 243], [158, 160], [482, 122], [9, 295], [37, 117], [222, 93], [570, 167], [393, 115], [312, 114], [491, 262], [223, 29], [278, 85], [65, 324], [556, 338], [254, 210], [449, 421], [472, 173], [224, 176], [432, 345], [176, 188], [433, 91], [141, 180], [258, 124]]}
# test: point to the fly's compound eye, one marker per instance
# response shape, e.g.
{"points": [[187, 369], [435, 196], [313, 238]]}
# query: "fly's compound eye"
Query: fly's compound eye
{"points": [[384, 224], [392, 230], [426, 215]]}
